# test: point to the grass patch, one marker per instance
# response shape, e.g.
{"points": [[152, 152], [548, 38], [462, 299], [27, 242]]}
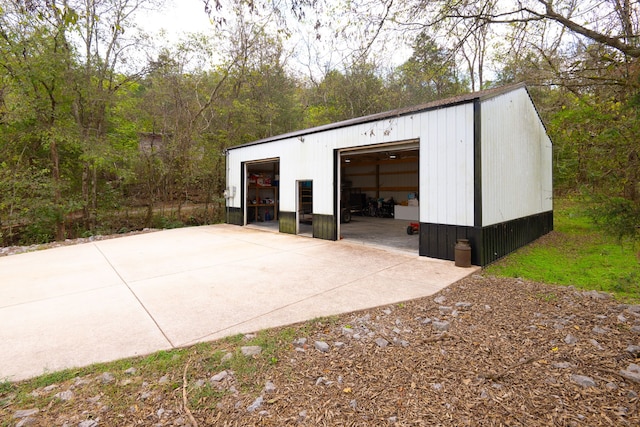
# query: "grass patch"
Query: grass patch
{"points": [[273, 343], [5, 387], [124, 391], [161, 361], [548, 296], [576, 253]]}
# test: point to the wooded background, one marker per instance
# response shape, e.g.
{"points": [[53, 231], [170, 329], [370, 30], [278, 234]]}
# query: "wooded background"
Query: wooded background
{"points": [[104, 128]]}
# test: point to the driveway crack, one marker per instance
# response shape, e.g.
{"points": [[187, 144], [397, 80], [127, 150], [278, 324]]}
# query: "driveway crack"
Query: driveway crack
{"points": [[135, 296]]}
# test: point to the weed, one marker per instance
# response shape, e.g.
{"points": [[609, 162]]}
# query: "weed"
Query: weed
{"points": [[163, 360], [213, 361], [5, 387], [205, 397], [54, 378], [548, 297], [628, 285], [202, 347], [166, 222], [233, 339], [286, 335]]}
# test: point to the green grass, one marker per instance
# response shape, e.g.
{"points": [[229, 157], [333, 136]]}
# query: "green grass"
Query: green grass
{"points": [[577, 253], [205, 359]]}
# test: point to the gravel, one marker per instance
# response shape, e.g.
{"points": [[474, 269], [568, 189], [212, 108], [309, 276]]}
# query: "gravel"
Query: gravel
{"points": [[15, 250]]}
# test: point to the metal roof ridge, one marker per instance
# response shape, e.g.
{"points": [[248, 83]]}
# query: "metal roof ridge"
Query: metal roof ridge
{"points": [[441, 103]]}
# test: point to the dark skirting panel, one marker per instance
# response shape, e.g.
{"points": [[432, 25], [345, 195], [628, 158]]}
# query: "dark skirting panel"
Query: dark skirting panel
{"points": [[439, 240], [488, 244], [501, 239], [235, 216], [324, 227], [287, 222]]}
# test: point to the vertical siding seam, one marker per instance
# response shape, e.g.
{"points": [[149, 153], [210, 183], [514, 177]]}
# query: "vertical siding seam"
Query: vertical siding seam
{"points": [[477, 163]]}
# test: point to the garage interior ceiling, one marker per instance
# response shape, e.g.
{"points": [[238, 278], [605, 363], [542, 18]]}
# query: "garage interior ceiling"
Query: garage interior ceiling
{"points": [[391, 152], [380, 156]]}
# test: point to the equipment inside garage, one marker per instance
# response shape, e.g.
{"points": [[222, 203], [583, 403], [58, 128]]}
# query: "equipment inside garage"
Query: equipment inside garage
{"points": [[379, 196]]}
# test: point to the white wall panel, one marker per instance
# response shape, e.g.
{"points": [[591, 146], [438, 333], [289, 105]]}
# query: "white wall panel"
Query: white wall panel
{"points": [[516, 159], [446, 166]]}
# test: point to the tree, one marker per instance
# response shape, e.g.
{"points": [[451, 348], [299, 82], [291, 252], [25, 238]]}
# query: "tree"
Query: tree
{"points": [[200, 113], [37, 58], [64, 57], [104, 47], [429, 74], [359, 91], [612, 23], [597, 152]]}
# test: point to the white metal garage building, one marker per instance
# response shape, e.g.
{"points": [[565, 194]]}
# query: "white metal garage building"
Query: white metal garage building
{"points": [[477, 166]]}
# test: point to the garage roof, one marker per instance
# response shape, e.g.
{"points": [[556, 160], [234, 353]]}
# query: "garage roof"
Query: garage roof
{"points": [[455, 100]]}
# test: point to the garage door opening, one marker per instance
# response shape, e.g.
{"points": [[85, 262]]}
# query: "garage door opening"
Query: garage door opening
{"points": [[262, 195], [379, 196]]}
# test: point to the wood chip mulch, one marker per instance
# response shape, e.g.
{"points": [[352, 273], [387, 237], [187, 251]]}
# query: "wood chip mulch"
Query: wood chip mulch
{"points": [[484, 352]]}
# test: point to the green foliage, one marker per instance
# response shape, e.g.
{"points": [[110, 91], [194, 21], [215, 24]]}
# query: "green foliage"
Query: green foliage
{"points": [[548, 297], [161, 361], [166, 222], [428, 75], [6, 387], [339, 96], [596, 153], [576, 253], [619, 217], [54, 377]]}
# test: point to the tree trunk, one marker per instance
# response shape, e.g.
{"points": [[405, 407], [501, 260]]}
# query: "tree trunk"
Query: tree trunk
{"points": [[632, 183], [57, 193], [149, 216], [85, 194], [94, 198]]}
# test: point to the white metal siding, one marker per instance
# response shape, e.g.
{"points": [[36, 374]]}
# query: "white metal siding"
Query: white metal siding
{"points": [[446, 161], [446, 166], [516, 159]]}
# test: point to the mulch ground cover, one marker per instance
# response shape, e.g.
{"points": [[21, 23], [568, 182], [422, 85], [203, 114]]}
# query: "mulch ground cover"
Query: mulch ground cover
{"points": [[485, 351]]}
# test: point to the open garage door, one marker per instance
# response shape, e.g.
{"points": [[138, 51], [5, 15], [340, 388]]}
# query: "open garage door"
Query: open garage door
{"points": [[262, 193], [379, 195]]}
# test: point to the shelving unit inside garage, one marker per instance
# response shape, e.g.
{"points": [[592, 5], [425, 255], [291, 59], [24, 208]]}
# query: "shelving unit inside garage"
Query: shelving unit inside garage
{"points": [[262, 192]]}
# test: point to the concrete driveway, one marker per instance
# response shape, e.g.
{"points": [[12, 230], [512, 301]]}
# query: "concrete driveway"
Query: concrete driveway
{"points": [[77, 305]]}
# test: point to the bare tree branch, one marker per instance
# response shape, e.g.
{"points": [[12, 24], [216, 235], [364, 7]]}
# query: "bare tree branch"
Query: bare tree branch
{"points": [[614, 42], [625, 43]]}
